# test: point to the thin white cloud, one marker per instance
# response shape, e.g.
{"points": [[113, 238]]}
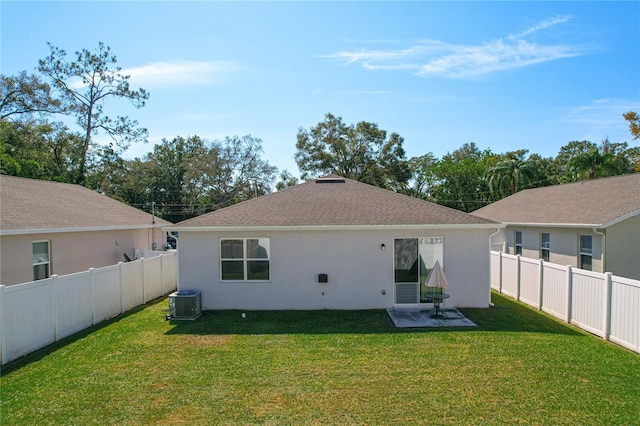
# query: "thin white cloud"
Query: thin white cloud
{"points": [[601, 112], [433, 58], [181, 73], [392, 59], [175, 74], [473, 61], [541, 26], [600, 119]]}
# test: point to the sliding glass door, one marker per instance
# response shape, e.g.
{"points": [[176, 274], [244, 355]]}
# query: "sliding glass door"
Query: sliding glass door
{"points": [[413, 260]]}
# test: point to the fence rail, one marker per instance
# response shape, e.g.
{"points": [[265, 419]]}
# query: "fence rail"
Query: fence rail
{"points": [[600, 303], [38, 313]]}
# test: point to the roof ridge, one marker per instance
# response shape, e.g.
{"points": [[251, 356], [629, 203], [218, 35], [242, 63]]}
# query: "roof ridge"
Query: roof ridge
{"points": [[32, 204], [585, 181], [317, 203], [595, 202]]}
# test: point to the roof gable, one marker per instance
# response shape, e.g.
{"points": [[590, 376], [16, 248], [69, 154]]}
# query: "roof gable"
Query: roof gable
{"points": [[599, 202], [28, 204], [333, 201]]}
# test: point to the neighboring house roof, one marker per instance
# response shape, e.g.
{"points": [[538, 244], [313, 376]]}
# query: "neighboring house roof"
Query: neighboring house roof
{"points": [[593, 203], [333, 201], [29, 206]]}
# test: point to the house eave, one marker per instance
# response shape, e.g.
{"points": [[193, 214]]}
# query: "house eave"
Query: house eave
{"points": [[330, 227], [554, 225], [620, 219], [576, 225], [87, 229]]}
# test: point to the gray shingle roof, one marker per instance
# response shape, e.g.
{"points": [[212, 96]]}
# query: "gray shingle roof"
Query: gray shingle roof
{"points": [[334, 201], [596, 202], [28, 204]]}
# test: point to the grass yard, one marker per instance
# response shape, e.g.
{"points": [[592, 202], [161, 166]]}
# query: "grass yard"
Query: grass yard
{"points": [[324, 367]]}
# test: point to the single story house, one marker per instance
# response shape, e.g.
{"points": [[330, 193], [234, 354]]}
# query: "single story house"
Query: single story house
{"points": [[51, 228], [593, 225], [333, 243]]}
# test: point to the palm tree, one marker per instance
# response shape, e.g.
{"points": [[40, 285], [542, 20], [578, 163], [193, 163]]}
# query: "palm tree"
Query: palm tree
{"points": [[595, 163], [510, 176]]}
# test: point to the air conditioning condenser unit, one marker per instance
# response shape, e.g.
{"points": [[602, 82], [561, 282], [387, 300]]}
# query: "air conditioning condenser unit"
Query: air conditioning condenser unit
{"points": [[185, 305]]}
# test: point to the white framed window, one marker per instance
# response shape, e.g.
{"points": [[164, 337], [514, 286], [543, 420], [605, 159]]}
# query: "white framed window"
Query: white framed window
{"points": [[545, 246], [586, 252], [245, 259], [518, 243], [41, 260]]}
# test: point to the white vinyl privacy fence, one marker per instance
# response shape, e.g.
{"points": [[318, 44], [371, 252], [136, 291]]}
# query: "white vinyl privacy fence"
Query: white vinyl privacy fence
{"points": [[601, 303], [38, 313]]}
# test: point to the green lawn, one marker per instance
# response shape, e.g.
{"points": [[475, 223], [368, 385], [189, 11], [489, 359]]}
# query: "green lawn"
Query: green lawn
{"points": [[325, 367]]}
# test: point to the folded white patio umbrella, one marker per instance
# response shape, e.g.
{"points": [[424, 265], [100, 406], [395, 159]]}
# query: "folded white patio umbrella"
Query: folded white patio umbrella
{"points": [[436, 277]]}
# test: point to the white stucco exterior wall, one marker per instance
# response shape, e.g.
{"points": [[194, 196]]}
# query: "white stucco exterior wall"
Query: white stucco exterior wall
{"points": [[564, 242], [623, 248], [620, 248], [73, 251], [359, 272]]}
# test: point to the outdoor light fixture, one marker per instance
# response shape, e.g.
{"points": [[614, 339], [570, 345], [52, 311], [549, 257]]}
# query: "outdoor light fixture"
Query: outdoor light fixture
{"points": [[383, 247]]}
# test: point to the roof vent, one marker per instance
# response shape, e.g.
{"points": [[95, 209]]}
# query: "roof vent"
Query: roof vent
{"points": [[330, 179]]}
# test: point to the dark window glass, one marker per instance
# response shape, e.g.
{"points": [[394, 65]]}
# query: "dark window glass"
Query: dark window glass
{"points": [[40, 272], [233, 270], [545, 246], [40, 254], [257, 249], [545, 255], [232, 249], [406, 260], [518, 245], [586, 250], [258, 270], [545, 240], [585, 244], [244, 259]]}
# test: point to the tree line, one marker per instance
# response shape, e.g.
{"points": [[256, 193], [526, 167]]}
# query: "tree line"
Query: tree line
{"points": [[188, 176]]}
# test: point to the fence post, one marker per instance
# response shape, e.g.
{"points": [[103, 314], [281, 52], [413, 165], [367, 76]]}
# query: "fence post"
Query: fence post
{"points": [[518, 267], [569, 292], [144, 287], [121, 274], [91, 295], [540, 283], [606, 320], [54, 299], [500, 273], [161, 274], [3, 356]]}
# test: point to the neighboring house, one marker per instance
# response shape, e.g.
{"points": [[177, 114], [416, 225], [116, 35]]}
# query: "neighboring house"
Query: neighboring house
{"points": [[593, 225], [333, 243], [51, 228]]}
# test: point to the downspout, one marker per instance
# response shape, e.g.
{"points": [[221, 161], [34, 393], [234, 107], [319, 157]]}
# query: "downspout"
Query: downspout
{"points": [[604, 248], [494, 233], [177, 261], [153, 222]]}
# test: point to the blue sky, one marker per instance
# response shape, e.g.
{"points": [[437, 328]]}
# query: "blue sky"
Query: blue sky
{"points": [[505, 75]]}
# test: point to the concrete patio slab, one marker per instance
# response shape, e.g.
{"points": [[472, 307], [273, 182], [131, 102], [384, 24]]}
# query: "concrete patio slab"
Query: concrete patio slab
{"points": [[419, 317]]}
